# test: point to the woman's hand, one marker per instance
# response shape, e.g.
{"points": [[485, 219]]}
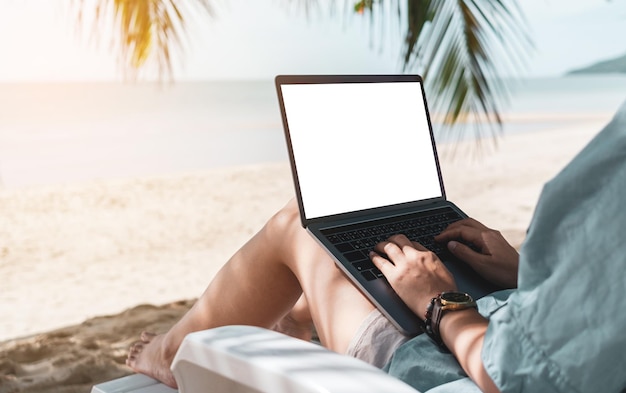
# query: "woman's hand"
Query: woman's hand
{"points": [[416, 274], [490, 254]]}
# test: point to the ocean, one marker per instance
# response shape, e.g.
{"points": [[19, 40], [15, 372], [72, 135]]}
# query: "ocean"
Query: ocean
{"points": [[79, 132]]}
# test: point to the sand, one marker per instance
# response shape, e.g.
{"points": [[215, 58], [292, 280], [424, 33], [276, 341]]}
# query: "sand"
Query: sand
{"points": [[141, 250]]}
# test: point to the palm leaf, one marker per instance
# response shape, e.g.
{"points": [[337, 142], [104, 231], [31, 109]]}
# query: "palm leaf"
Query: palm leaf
{"points": [[466, 55], [145, 31], [464, 49]]}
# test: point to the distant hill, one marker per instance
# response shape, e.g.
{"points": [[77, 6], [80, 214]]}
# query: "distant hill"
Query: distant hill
{"points": [[612, 66]]}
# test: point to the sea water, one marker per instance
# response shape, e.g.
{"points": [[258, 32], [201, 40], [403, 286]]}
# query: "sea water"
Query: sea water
{"points": [[65, 133]]}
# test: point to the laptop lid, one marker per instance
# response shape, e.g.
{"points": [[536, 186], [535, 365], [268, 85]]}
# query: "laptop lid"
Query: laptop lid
{"points": [[358, 143]]}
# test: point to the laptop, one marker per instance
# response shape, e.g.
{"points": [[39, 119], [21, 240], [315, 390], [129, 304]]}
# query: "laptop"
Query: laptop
{"points": [[365, 166]]}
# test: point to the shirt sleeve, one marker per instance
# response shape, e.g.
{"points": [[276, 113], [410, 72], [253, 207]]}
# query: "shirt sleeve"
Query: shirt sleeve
{"points": [[563, 329], [514, 362]]}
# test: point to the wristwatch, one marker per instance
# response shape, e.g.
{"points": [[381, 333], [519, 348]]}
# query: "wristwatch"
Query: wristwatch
{"points": [[445, 301]]}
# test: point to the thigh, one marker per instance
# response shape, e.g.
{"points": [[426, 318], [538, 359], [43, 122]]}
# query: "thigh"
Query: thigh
{"points": [[337, 307]]}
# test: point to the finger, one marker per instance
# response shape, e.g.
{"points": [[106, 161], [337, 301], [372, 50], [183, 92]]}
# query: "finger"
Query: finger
{"points": [[399, 238], [469, 222], [381, 263], [474, 224], [464, 233], [393, 251], [388, 248], [465, 253], [419, 247], [402, 241]]}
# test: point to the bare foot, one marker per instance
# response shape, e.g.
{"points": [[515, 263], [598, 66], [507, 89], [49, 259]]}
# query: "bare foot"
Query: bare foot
{"points": [[151, 356]]}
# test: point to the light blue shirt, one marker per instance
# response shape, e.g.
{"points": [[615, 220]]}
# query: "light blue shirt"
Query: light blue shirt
{"points": [[564, 328]]}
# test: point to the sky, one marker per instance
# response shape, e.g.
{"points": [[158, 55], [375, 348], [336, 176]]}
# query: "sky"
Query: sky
{"points": [[258, 39]]}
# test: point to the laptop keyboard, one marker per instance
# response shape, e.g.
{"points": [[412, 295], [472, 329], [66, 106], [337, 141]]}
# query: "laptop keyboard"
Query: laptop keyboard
{"points": [[357, 240]]}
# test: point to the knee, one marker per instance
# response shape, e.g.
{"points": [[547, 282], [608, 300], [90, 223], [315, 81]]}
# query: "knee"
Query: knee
{"points": [[285, 221]]}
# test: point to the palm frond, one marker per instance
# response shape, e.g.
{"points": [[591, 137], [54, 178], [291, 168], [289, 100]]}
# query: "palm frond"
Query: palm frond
{"points": [[464, 49], [145, 31]]}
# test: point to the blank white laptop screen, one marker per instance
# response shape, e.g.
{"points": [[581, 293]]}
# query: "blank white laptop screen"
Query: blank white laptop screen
{"points": [[360, 145]]}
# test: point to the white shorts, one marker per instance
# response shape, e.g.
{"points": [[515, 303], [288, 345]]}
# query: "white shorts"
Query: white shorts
{"points": [[376, 340]]}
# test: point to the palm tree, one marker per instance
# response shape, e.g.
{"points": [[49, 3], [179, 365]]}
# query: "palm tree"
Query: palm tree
{"points": [[461, 47]]}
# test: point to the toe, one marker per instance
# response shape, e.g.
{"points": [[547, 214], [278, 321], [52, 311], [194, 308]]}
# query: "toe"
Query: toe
{"points": [[147, 336], [133, 353], [135, 349]]}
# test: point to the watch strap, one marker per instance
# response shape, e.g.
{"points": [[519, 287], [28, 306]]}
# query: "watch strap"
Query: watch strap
{"points": [[428, 323], [435, 311]]}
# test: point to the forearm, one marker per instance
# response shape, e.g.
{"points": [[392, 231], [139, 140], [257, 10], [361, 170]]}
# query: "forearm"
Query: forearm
{"points": [[463, 332]]}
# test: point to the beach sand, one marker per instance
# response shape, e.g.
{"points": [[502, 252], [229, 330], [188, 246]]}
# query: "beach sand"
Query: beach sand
{"points": [[137, 249]]}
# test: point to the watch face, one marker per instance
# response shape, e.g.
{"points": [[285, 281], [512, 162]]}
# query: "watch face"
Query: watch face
{"points": [[456, 297]]}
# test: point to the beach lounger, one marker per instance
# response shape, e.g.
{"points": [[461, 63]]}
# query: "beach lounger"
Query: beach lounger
{"points": [[248, 359]]}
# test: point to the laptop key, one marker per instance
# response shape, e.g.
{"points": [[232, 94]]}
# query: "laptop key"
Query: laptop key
{"points": [[358, 244], [344, 247], [334, 239], [355, 256], [363, 265]]}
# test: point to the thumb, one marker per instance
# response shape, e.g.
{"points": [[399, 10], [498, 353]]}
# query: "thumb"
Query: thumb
{"points": [[463, 252]]}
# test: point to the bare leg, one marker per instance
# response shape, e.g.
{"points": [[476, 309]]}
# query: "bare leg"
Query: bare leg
{"points": [[298, 322], [258, 286]]}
